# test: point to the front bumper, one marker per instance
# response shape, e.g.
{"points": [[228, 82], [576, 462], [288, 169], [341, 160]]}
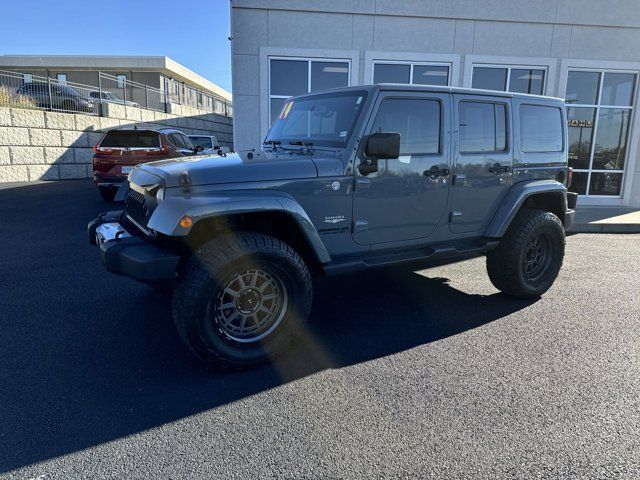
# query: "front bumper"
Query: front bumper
{"points": [[129, 255]]}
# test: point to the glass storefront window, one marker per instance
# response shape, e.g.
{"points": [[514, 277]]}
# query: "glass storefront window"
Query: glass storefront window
{"points": [[411, 73], [489, 78], [391, 73], [326, 75], [291, 77], [611, 144], [430, 75], [598, 133], [509, 79], [526, 81], [582, 87], [617, 89], [581, 121]]}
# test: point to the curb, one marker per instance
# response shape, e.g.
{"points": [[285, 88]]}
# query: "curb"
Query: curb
{"points": [[605, 228]]}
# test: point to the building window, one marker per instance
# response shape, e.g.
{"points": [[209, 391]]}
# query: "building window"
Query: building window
{"points": [[411, 73], [289, 77], [599, 111], [122, 80], [27, 78], [62, 78], [509, 79]]}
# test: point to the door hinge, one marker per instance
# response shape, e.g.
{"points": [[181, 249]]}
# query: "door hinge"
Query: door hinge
{"points": [[360, 225], [454, 216]]}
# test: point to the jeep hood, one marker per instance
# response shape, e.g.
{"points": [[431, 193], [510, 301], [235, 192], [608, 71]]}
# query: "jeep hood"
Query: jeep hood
{"points": [[232, 168]]}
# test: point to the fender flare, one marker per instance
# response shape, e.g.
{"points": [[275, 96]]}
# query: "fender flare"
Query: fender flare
{"points": [[166, 217], [515, 198]]}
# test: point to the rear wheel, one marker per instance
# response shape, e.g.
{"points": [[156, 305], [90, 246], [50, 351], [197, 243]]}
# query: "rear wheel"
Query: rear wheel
{"points": [[242, 300], [529, 257]]}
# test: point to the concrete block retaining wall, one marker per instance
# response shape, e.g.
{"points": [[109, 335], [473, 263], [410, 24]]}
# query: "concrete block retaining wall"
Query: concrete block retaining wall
{"points": [[39, 145]]}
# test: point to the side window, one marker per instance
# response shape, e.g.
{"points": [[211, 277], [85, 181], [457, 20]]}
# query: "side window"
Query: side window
{"points": [[187, 142], [483, 127], [417, 121], [540, 129], [176, 140]]}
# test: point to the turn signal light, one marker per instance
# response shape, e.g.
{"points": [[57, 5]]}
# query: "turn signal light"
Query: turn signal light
{"points": [[186, 222]]}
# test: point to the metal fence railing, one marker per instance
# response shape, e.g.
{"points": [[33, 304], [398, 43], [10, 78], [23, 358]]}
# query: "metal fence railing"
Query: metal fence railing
{"points": [[32, 91]]}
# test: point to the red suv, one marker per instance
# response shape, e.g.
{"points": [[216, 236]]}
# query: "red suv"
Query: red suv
{"points": [[118, 151]]}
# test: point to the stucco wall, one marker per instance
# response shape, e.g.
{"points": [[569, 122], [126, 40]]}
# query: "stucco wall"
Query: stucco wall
{"points": [[557, 35], [39, 145]]}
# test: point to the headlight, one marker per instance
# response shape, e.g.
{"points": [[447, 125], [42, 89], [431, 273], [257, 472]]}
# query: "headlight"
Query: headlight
{"points": [[160, 195]]}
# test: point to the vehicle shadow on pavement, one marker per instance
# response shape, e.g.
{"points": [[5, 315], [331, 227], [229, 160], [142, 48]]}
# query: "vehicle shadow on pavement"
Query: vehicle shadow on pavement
{"points": [[88, 357]]}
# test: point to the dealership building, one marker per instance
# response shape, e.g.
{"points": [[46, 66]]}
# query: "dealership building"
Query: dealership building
{"points": [[585, 51]]}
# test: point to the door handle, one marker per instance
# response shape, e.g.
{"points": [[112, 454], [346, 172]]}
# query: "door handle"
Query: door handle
{"points": [[498, 169], [435, 172]]}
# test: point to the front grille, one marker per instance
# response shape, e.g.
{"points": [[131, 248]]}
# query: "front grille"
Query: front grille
{"points": [[136, 208]]}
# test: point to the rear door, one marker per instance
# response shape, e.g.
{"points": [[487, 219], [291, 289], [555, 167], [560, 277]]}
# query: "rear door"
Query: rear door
{"points": [[483, 160]]}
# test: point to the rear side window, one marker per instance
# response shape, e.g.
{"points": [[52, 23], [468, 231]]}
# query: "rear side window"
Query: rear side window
{"points": [[483, 127], [130, 139], [187, 142], [417, 121], [176, 139], [204, 142], [540, 128]]}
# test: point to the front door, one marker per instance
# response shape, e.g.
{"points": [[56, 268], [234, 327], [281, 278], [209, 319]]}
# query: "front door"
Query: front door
{"points": [[406, 197], [483, 160]]}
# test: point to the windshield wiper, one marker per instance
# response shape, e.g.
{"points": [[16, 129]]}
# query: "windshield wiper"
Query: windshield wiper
{"points": [[302, 143], [274, 144]]}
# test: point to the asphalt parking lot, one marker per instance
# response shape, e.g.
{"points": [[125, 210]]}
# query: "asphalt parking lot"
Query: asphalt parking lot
{"points": [[400, 374]]}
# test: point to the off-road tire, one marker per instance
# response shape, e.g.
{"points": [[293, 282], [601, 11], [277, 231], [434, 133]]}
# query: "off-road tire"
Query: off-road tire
{"points": [[108, 194], [200, 283], [507, 263]]}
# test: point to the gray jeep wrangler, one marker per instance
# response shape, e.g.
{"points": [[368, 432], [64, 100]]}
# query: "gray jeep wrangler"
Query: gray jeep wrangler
{"points": [[349, 179]]}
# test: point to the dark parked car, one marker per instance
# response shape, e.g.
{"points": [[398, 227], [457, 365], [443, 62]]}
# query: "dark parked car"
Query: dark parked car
{"points": [[57, 97], [119, 150]]}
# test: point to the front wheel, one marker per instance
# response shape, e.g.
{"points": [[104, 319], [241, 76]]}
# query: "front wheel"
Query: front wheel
{"points": [[242, 299], [529, 257]]}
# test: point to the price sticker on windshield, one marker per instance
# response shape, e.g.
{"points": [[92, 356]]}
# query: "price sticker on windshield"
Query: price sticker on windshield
{"points": [[285, 110]]}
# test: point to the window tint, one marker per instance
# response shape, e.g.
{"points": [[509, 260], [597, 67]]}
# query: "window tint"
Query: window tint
{"points": [[325, 75], [430, 75], [540, 129], [391, 73], [526, 81], [490, 78], [176, 139], [118, 138], [289, 77], [417, 121], [482, 127]]}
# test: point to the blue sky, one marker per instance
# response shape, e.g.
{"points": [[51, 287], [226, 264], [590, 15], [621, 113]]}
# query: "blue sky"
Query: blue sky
{"points": [[192, 32]]}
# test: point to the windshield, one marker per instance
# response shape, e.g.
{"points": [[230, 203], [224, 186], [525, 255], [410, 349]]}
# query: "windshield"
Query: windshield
{"points": [[325, 119]]}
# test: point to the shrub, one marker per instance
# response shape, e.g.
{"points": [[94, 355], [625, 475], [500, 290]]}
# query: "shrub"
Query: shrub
{"points": [[9, 97]]}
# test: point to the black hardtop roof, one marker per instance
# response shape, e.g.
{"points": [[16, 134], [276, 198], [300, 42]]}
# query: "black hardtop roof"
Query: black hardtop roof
{"points": [[403, 87]]}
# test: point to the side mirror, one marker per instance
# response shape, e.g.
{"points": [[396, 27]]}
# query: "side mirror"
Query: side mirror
{"points": [[383, 145], [216, 147], [198, 148], [379, 146]]}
